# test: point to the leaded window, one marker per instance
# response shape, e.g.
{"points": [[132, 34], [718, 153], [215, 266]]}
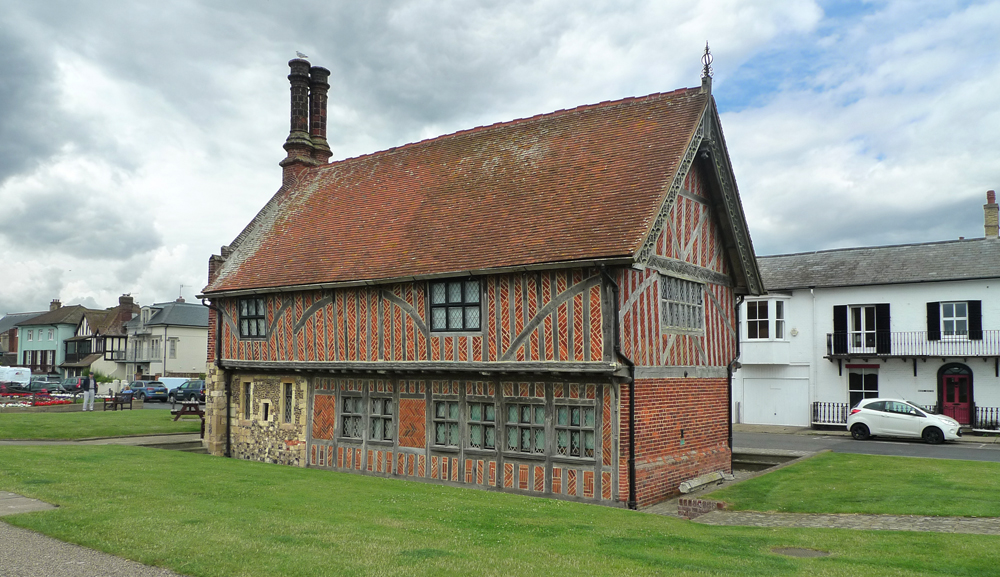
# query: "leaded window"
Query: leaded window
{"points": [[683, 304], [253, 322], [351, 414], [287, 413], [446, 423], [526, 428], [455, 305], [575, 431], [482, 426], [246, 401], [380, 419]]}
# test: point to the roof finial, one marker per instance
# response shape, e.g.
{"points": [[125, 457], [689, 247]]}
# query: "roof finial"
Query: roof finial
{"points": [[706, 72], [706, 59]]}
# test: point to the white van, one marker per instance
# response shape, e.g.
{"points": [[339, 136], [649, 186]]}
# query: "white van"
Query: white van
{"points": [[21, 376], [173, 382]]}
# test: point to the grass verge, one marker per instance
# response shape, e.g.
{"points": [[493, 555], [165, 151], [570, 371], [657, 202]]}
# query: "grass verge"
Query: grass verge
{"points": [[845, 483], [208, 516], [80, 425]]}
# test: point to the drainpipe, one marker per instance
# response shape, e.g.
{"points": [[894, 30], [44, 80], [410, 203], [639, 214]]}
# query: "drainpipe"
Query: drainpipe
{"points": [[229, 387], [730, 368], [631, 391]]}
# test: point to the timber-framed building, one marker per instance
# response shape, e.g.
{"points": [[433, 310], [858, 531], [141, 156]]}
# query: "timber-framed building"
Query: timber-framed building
{"points": [[544, 306]]}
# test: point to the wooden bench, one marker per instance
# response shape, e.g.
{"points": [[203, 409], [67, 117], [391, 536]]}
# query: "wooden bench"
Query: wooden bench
{"points": [[116, 401], [190, 409]]}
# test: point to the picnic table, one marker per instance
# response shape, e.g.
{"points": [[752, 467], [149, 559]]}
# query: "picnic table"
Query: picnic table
{"points": [[190, 409]]}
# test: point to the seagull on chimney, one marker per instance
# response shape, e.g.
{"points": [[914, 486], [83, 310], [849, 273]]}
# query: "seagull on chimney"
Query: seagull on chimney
{"points": [[300, 55]]}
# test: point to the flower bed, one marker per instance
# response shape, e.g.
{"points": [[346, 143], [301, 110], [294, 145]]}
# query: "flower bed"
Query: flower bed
{"points": [[14, 400]]}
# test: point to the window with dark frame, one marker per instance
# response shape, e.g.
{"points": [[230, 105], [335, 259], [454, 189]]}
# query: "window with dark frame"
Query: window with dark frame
{"points": [[455, 305], [757, 320], [482, 426], [380, 419], [287, 413], [246, 401], [861, 384], [446, 423], [253, 321], [351, 416], [575, 431], [526, 428], [683, 304]]}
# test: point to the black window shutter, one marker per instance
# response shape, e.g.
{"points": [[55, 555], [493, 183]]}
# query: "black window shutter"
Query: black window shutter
{"points": [[976, 320], [840, 330], [883, 341], [934, 321]]}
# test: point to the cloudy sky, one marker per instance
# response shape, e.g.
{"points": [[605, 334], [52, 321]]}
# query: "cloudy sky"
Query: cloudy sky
{"points": [[138, 137]]}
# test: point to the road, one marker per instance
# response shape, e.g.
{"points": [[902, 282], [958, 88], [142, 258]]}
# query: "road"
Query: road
{"points": [[969, 449]]}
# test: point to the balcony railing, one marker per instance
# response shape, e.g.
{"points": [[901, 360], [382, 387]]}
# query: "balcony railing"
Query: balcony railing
{"points": [[911, 344], [824, 413]]}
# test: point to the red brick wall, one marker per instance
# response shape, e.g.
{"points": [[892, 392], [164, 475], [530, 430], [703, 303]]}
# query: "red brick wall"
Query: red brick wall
{"points": [[665, 407]]}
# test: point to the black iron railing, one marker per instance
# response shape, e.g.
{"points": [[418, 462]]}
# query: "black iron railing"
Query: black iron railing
{"points": [[912, 344]]}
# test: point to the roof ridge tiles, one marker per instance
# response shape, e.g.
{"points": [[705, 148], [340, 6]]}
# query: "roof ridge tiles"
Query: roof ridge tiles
{"points": [[873, 247]]}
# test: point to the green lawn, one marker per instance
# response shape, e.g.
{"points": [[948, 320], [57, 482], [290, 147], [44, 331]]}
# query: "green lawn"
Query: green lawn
{"points": [[79, 425], [201, 515], [842, 483]]}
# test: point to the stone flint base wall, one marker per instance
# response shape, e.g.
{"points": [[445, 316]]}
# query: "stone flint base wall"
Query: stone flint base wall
{"points": [[682, 427], [254, 435]]}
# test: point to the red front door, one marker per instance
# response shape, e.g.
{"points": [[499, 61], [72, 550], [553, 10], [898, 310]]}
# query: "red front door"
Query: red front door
{"points": [[957, 400]]}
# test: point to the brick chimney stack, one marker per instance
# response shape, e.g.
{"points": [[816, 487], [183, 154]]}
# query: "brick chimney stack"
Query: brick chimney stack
{"points": [[990, 210], [318, 88], [298, 145], [126, 308], [54, 305]]}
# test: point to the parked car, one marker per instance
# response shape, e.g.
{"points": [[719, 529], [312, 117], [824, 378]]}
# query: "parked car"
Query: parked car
{"points": [[190, 390], [44, 387], [72, 385], [898, 418], [152, 390]]}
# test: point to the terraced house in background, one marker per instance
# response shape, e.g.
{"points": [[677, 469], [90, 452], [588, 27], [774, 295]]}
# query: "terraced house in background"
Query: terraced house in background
{"points": [[544, 306]]}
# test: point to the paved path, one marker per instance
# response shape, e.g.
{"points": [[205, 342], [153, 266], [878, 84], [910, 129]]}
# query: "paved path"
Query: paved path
{"points": [[973, 525], [60, 559], [35, 555]]}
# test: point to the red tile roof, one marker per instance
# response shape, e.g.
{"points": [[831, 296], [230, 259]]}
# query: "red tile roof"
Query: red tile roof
{"points": [[571, 185]]}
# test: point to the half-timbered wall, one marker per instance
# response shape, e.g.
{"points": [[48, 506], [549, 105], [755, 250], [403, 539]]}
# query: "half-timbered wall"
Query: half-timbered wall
{"points": [[414, 452], [689, 247], [681, 394], [537, 316]]}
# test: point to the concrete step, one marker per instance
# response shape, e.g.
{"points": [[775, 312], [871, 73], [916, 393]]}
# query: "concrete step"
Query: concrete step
{"points": [[747, 461]]}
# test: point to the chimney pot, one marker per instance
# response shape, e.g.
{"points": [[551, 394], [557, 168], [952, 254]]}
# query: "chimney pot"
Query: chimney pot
{"points": [[318, 88]]}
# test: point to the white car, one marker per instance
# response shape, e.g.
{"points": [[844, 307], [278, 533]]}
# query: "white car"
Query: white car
{"points": [[896, 418]]}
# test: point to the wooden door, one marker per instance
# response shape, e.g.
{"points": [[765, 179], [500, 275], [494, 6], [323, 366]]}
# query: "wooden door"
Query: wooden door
{"points": [[957, 398]]}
